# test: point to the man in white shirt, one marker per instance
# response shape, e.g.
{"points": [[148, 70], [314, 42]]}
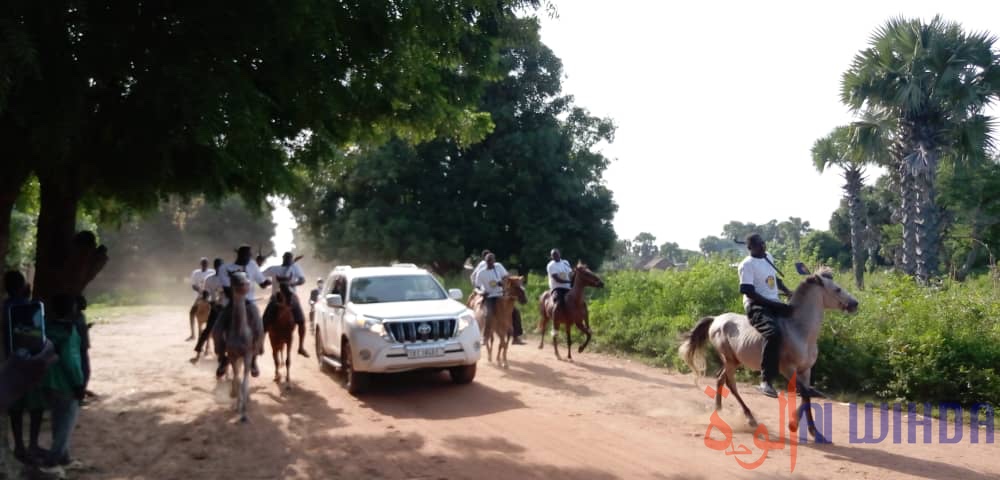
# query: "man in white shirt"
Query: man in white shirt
{"points": [[479, 267], [518, 330], [489, 283], [759, 284], [559, 271], [291, 274], [217, 298], [244, 263], [198, 277]]}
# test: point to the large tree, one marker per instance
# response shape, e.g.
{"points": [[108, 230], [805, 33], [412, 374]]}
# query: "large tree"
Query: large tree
{"points": [[532, 184], [933, 80], [129, 101], [841, 148]]}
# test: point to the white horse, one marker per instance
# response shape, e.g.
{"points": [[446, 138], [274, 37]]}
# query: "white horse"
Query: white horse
{"points": [[739, 343]]}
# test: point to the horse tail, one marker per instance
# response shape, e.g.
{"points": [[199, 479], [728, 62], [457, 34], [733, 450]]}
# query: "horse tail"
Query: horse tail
{"points": [[693, 345]]}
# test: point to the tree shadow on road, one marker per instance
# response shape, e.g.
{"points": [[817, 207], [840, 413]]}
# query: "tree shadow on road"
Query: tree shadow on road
{"points": [[298, 435], [543, 376], [432, 396], [630, 375], [914, 466]]}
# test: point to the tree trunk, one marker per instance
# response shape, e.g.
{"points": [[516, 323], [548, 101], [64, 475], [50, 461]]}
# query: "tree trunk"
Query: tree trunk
{"points": [[854, 208], [927, 217], [10, 188], [907, 200], [65, 261]]}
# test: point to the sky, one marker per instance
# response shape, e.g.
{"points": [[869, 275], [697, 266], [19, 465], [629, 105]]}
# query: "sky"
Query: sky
{"points": [[718, 103]]}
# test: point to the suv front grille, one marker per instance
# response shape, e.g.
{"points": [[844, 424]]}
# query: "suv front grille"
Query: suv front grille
{"points": [[410, 331]]}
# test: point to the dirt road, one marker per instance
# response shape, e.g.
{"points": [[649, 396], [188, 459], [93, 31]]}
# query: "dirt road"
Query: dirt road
{"points": [[159, 417]]}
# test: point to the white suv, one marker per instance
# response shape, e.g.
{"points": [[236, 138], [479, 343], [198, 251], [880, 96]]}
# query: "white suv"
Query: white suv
{"points": [[393, 319]]}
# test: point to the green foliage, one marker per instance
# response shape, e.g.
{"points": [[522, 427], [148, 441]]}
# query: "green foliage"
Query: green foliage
{"points": [[781, 237], [532, 184], [906, 341], [929, 83], [824, 246]]}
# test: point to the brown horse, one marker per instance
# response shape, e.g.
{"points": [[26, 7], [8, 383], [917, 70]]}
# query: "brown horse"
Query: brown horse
{"points": [[279, 331], [503, 318], [202, 310], [572, 311]]}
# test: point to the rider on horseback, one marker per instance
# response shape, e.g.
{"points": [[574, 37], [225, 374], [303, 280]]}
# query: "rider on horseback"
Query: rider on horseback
{"points": [[559, 271], [243, 264], [518, 329], [290, 274], [759, 284], [489, 283]]}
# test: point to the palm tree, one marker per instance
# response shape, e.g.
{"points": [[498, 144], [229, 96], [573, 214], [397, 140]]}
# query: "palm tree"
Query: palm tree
{"points": [[933, 81], [850, 149]]}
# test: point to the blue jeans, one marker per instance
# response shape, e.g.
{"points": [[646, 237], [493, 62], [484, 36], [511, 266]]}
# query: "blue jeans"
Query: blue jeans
{"points": [[65, 410]]}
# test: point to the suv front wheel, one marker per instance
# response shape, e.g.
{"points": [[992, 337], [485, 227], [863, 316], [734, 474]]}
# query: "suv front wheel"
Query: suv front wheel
{"points": [[463, 375], [357, 382]]}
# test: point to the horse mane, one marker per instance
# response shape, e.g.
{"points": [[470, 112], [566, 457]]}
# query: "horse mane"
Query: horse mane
{"points": [[814, 280]]}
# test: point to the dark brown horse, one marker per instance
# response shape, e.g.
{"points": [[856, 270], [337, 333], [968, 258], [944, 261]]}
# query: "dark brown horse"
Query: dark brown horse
{"points": [[279, 331], [573, 310]]}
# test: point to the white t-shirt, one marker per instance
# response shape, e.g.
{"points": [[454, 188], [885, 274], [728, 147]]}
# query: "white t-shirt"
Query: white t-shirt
{"points": [[213, 285], [561, 268], [490, 281], [198, 279], [253, 275], [479, 268], [760, 274], [293, 272]]}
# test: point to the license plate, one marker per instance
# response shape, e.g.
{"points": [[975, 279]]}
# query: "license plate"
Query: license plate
{"points": [[425, 352]]}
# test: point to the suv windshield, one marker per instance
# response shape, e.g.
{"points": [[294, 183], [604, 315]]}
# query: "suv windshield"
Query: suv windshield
{"points": [[401, 288]]}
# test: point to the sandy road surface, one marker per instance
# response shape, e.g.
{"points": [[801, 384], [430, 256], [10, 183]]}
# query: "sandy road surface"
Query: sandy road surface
{"points": [[598, 418]]}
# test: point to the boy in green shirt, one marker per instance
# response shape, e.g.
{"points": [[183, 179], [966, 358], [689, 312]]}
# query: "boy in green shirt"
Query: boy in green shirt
{"points": [[63, 385]]}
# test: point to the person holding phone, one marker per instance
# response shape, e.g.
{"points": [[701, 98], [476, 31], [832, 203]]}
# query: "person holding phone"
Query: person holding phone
{"points": [[30, 400]]}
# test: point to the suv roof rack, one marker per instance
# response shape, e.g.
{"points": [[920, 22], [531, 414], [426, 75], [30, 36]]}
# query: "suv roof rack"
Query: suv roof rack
{"points": [[341, 268], [404, 265]]}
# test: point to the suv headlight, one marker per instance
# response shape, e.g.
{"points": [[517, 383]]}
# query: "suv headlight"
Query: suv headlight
{"points": [[373, 325], [464, 321]]}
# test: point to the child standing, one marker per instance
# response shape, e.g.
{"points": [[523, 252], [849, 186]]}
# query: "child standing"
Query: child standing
{"points": [[63, 385]]}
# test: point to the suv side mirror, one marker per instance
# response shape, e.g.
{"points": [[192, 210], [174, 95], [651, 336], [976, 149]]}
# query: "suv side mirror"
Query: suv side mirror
{"points": [[455, 294], [334, 300]]}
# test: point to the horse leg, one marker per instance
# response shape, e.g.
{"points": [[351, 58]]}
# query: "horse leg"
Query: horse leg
{"points": [[288, 365], [245, 390], [488, 339], [234, 365], [504, 343], [543, 321], [569, 342], [276, 354], [720, 381], [729, 371], [582, 325], [793, 425]]}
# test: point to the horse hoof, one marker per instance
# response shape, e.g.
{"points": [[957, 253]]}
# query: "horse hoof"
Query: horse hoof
{"points": [[288, 387], [750, 421], [244, 419], [793, 426]]}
